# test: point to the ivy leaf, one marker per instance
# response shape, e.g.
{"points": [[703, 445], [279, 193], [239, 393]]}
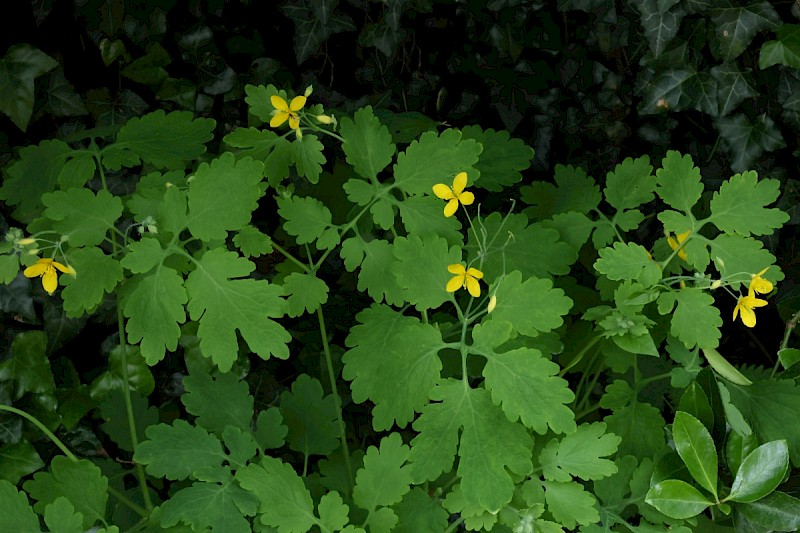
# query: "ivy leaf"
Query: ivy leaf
{"points": [[285, 502], [433, 159], [733, 87], [223, 305], [367, 143], [98, 274], [660, 24], [223, 195], [166, 140], [628, 261], [783, 51], [702, 91], [421, 269], [631, 184], [116, 427], [305, 293], [419, 512], [81, 215], [641, 428], [667, 92], [384, 478], [140, 379], [679, 182], [570, 504], [252, 243], [695, 321], [739, 206], [21, 65], [153, 304], [375, 258], [311, 417], [218, 402], [266, 146], [747, 140], [61, 517], [388, 369], [15, 512], [422, 216], [216, 506], [306, 218], [514, 304], [580, 454], [17, 461], [502, 158], [526, 385], [736, 26], [178, 451], [28, 366], [81, 482], [573, 191], [314, 23], [491, 448]]}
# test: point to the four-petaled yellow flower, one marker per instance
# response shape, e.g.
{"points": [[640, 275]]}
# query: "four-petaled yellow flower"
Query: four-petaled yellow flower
{"points": [[745, 306], [464, 278], [284, 111], [46, 269], [454, 194], [759, 285], [675, 244]]}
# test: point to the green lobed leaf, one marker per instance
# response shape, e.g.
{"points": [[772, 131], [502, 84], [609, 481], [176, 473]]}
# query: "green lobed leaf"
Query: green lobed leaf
{"points": [[218, 402], [573, 191], [252, 243], [570, 504], [630, 184], [777, 511], [153, 305], [420, 513], [258, 100], [735, 26], [747, 141], [740, 205], [306, 218], [740, 257], [61, 517], [143, 255], [514, 304], [20, 66], [421, 269], [77, 170], [502, 157], [270, 432], [81, 482], [375, 259], [761, 472], [311, 417], [387, 369], [274, 150], [308, 154], [580, 454], [166, 140], [285, 502], [628, 261], [9, 268], [81, 215], [694, 444], [178, 451], [695, 321], [677, 499], [367, 143], [384, 478], [305, 293], [491, 448], [435, 158], [679, 181], [333, 512], [224, 305], [97, 274], [28, 367], [223, 195], [422, 216], [641, 427], [219, 507], [15, 512]]}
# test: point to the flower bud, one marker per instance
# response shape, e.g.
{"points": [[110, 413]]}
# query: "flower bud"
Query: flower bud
{"points": [[33, 251], [309, 90], [326, 119], [26, 241], [299, 134], [492, 304], [715, 284]]}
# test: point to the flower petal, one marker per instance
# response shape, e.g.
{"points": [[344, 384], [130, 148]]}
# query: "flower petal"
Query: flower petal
{"points": [[475, 273], [297, 103], [457, 268], [278, 119], [294, 121], [473, 286], [443, 191], [748, 317], [50, 280], [36, 270], [455, 283], [451, 208], [279, 103], [466, 198], [63, 268], [459, 182]]}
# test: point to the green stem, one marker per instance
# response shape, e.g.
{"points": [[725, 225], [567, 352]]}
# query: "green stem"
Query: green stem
{"points": [[577, 358], [291, 258], [135, 507], [336, 399], [647, 381], [454, 525], [790, 325]]}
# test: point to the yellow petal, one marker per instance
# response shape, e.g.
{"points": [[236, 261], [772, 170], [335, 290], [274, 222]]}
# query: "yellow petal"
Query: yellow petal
{"points": [[443, 191], [278, 119], [455, 283], [473, 286], [456, 268], [50, 280], [297, 103], [279, 103], [62, 268], [475, 273], [36, 270], [466, 198], [294, 121], [748, 317], [451, 208], [459, 182], [682, 236]]}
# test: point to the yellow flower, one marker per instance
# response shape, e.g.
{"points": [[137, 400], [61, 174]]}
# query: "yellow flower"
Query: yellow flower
{"points": [[454, 194], [760, 285], [675, 244], [745, 306], [285, 111], [464, 278], [46, 269]]}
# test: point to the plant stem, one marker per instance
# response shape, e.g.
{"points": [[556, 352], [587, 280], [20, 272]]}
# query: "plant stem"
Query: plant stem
{"points": [[454, 525], [790, 325], [291, 258], [577, 358], [336, 399]]}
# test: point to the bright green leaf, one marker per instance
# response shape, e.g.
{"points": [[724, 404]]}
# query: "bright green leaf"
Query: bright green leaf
{"points": [[679, 182], [628, 261], [210, 505], [305, 293], [677, 499], [580, 454], [573, 191], [570, 504], [178, 451], [308, 154], [97, 274], [311, 417], [218, 402], [421, 269], [270, 432], [422, 216], [783, 51], [641, 427], [333, 513], [420, 513], [306, 218], [434, 158], [502, 157], [631, 184], [695, 321], [252, 243], [85, 217], [694, 444], [740, 205], [777, 511], [15, 512], [515, 304], [384, 478], [60, 517], [375, 258], [761, 472], [367, 143]]}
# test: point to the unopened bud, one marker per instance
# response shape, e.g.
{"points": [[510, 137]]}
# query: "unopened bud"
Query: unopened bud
{"points": [[492, 304], [309, 90], [326, 119], [299, 134], [26, 241], [716, 284], [682, 284], [168, 185], [33, 251]]}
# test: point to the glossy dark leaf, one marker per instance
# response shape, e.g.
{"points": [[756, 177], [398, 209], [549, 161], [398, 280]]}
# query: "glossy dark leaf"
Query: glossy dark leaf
{"points": [[676, 499], [736, 25], [761, 472], [747, 140], [778, 512], [696, 447]]}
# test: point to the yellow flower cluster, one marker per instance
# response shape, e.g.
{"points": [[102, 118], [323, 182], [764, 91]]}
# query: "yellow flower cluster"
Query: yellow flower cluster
{"points": [[454, 195], [746, 304], [46, 269]]}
